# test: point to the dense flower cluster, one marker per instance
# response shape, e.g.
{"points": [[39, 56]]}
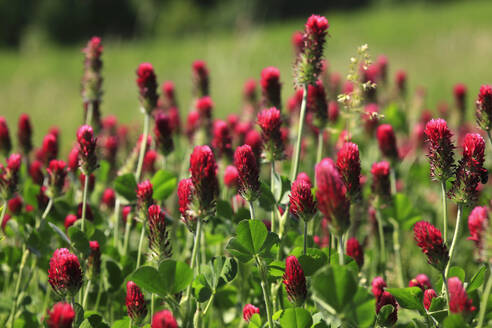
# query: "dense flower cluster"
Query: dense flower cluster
{"points": [[478, 222], [248, 172], [65, 273], [147, 87], [92, 79], [248, 311], [135, 302], [163, 133], [429, 239], [484, 107], [200, 79], [355, 251], [271, 87], [270, 122], [458, 298], [301, 199], [348, 164], [61, 315], [441, 149], [87, 149], [159, 243], [294, 281], [203, 170]]}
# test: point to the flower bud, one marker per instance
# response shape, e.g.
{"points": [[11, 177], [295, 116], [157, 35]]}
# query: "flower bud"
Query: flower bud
{"points": [[387, 299], [49, 149], [270, 122], [108, 198], [87, 149], [302, 203], [271, 87], [92, 79], [421, 281], [348, 164], [186, 190], [378, 285], [65, 273], [249, 173], [61, 315], [57, 174], [147, 87], [69, 221], [203, 170], [200, 79], [9, 176], [441, 149], [294, 281], [459, 92], [253, 139], [248, 311], [429, 294], [145, 193], [381, 185], [73, 159], [429, 239], [169, 94], [24, 134], [135, 302], [231, 177], [148, 165], [159, 243], [387, 141], [478, 222], [164, 319], [484, 107], [401, 82], [15, 205], [5, 142], [458, 298], [163, 134], [355, 251], [222, 140], [333, 111], [36, 172], [94, 260]]}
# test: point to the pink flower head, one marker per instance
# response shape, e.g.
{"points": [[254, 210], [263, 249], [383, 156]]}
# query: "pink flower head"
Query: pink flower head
{"points": [[249, 173], [61, 315], [73, 159], [204, 107], [164, 319], [15, 205], [458, 298], [9, 176], [331, 196], [429, 294], [231, 177], [249, 91], [253, 139], [441, 149], [186, 191], [147, 86], [421, 281], [316, 103], [36, 172], [387, 141], [222, 140], [135, 302], [65, 273], [294, 281], [459, 92], [200, 78], [429, 239], [108, 198], [169, 93], [24, 133], [348, 164], [382, 63], [87, 149], [5, 141], [49, 149], [159, 243], [192, 123], [163, 133], [355, 251], [203, 168], [484, 107], [57, 173], [127, 210], [248, 311], [387, 299], [145, 193], [477, 224], [381, 185], [69, 221], [378, 285], [333, 111], [401, 82], [302, 203], [270, 122], [298, 42], [270, 87]]}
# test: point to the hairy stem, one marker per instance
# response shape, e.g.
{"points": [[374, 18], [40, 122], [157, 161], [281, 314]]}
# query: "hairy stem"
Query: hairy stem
{"points": [[143, 146], [341, 256], [140, 245], [305, 236], [457, 231], [84, 198], [319, 151], [272, 182], [266, 295], [445, 290], [86, 294], [297, 153], [485, 297], [251, 209], [382, 246], [127, 235], [444, 211], [396, 246], [17, 286], [194, 252], [116, 242]]}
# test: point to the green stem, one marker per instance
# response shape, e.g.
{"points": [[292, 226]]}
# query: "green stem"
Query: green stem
{"points": [[490, 137], [266, 295], [485, 296], [88, 116], [251, 210], [382, 246], [192, 264], [297, 154], [341, 256], [143, 146], [272, 183], [208, 304], [396, 246], [99, 293], [305, 236], [116, 243], [152, 304], [17, 287], [393, 179], [457, 231], [445, 290], [127, 235], [47, 209], [319, 152], [4, 210], [84, 198], [444, 211], [86, 294], [140, 245]]}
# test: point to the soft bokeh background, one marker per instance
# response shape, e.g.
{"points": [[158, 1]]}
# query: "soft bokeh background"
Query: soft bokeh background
{"points": [[437, 43]]}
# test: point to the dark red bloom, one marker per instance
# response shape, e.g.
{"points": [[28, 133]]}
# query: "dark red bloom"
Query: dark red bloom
{"points": [[88, 212], [441, 149], [200, 79], [15, 205], [147, 86], [348, 164], [49, 149], [9, 176], [145, 195], [401, 82], [57, 173], [164, 319], [253, 139], [65, 273], [61, 315], [108, 198], [92, 79], [249, 91], [459, 92], [270, 122], [192, 123], [248, 311], [175, 119], [429, 294], [458, 298], [355, 251], [387, 141], [294, 281], [221, 141], [378, 285], [94, 260], [69, 221], [36, 172], [302, 203], [163, 133], [87, 149], [429, 239], [5, 220], [331, 196], [148, 165], [387, 299], [73, 159], [317, 105], [135, 302], [381, 184], [169, 94], [203, 170], [477, 224], [484, 107], [231, 177], [333, 111], [249, 173], [186, 191], [159, 243], [271, 87], [91, 181], [24, 134], [5, 141], [421, 281], [298, 42], [382, 63]]}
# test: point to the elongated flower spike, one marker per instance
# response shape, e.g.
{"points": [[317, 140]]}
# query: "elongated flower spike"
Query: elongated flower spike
{"points": [[248, 172], [248, 311], [147, 86], [429, 294], [378, 285], [145, 198], [355, 251], [429, 239], [186, 191], [348, 164], [271, 87], [164, 319], [460, 92], [270, 122], [24, 134], [169, 95], [441, 149], [387, 141], [382, 63], [94, 260], [298, 42], [57, 173], [222, 140], [302, 203], [200, 79], [159, 243], [135, 302], [49, 148], [163, 134], [422, 281], [458, 298], [231, 177], [5, 141], [108, 198], [61, 315], [381, 185], [92, 80], [333, 111], [253, 139], [294, 281], [309, 60], [401, 82], [203, 168], [387, 299], [65, 273], [87, 149], [484, 107], [9, 176], [478, 221]]}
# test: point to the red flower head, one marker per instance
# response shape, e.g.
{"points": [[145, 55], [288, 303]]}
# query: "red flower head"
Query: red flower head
{"points": [[484, 107], [125, 213], [387, 299], [135, 302], [470, 171], [370, 118], [378, 285], [88, 212], [302, 203], [309, 61], [5, 220], [401, 82], [65, 273], [253, 139], [91, 181], [348, 164], [387, 141], [441, 149], [298, 42], [109, 149], [147, 87], [222, 140], [186, 190], [203, 170], [459, 92], [144, 195], [270, 122], [49, 149], [70, 220], [248, 311], [382, 63], [159, 244], [458, 298], [87, 149], [249, 91], [331, 196], [60, 316], [294, 281], [232, 122], [94, 260], [15, 205], [316, 104], [477, 224], [163, 133], [42, 198], [9, 176], [108, 198], [200, 79], [271, 87], [381, 185], [205, 106], [294, 103], [429, 239], [429, 294], [169, 93], [73, 159], [5, 142], [333, 111], [355, 251], [421, 281], [164, 319], [192, 123], [57, 173], [92, 79], [249, 173], [175, 119], [36, 172], [24, 134], [231, 177]]}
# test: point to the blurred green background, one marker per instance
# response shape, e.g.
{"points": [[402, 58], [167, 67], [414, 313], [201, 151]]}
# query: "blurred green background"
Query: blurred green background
{"points": [[437, 43]]}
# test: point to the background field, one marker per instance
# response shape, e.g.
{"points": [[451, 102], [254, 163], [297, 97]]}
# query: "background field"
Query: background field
{"points": [[438, 45]]}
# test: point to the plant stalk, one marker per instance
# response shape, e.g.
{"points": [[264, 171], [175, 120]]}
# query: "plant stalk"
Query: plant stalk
{"points": [[397, 248], [251, 209], [305, 236], [444, 211], [86, 294], [485, 297], [297, 154], [140, 245], [341, 256], [319, 151], [382, 246], [266, 295], [116, 242], [17, 286], [143, 146], [457, 231], [84, 198]]}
